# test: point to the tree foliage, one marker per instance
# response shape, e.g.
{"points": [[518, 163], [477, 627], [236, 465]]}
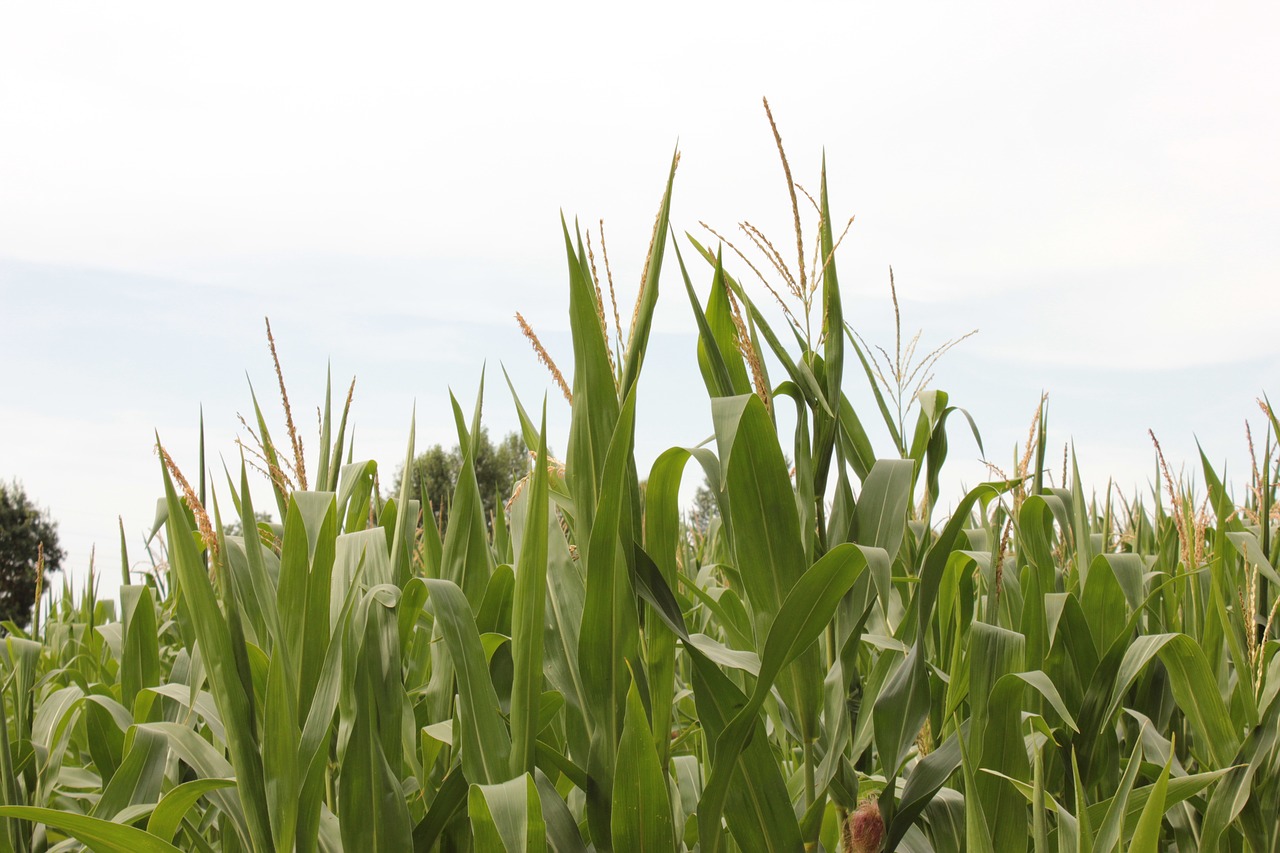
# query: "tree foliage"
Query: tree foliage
{"points": [[704, 509], [236, 528], [24, 528], [498, 467]]}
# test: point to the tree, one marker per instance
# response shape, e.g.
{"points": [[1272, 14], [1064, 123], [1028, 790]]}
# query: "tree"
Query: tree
{"points": [[498, 467], [236, 528], [23, 530], [705, 509]]}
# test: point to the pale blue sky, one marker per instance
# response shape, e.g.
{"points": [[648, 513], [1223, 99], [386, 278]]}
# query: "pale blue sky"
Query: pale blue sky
{"points": [[1095, 189]]}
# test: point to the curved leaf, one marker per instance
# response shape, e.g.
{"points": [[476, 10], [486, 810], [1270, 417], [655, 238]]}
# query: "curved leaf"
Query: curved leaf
{"points": [[101, 835]]}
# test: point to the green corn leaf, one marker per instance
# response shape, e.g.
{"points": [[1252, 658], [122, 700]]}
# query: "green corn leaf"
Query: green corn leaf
{"points": [[372, 812], [226, 674], [609, 637], [270, 454], [281, 738], [801, 619], [1179, 789], [507, 816], [562, 615], [335, 459], [319, 513], [322, 482], [595, 397], [355, 494], [996, 656], [758, 809], [465, 558], [1046, 688], [139, 777], [406, 518], [993, 653], [251, 580], [449, 801], [1146, 838], [757, 812], [124, 555], [527, 616], [926, 779], [562, 830], [855, 443], [1079, 522], [528, 430], [1193, 686], [1250, 549], [1104, 604], [1004, 749], [723, 371], [814, 394], [832, 308], [99, 834], [639, 333], [494, 614], [901, 708], [902, 705], [874, 383], [663, 531], [1084, 822], [178, 801], [1109, 831], [105, 727], [208, 763], [769, 553], [880, 517], [485, 743], [641, 817], [977, 831], [1238, 787], [140, 666], [1039, 821]]}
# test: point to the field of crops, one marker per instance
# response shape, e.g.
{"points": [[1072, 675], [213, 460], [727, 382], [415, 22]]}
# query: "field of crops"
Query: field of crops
{"points": [[824, 663]]}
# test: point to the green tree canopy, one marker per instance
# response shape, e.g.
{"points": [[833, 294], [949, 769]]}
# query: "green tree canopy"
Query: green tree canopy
{"points": [[23, 529], [498, 467], [236, 528], [704, 509]]}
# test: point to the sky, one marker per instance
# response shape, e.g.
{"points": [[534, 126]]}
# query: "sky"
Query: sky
{"points": [[1093, 187]]}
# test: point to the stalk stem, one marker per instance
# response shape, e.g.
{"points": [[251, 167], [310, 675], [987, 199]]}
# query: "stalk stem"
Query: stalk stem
{"points": [[810, 789]]}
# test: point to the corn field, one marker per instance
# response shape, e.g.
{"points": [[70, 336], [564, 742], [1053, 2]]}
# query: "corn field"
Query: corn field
{"points": [[830, 664]]}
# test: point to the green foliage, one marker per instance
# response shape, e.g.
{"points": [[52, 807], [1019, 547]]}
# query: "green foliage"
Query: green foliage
{"points": [[497, 469], [235, 528], [24, 531], [824, 660], [704, 511]]}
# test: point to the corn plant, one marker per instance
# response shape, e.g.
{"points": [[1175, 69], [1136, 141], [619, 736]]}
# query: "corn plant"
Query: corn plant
{"points": [[827, 667]]}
